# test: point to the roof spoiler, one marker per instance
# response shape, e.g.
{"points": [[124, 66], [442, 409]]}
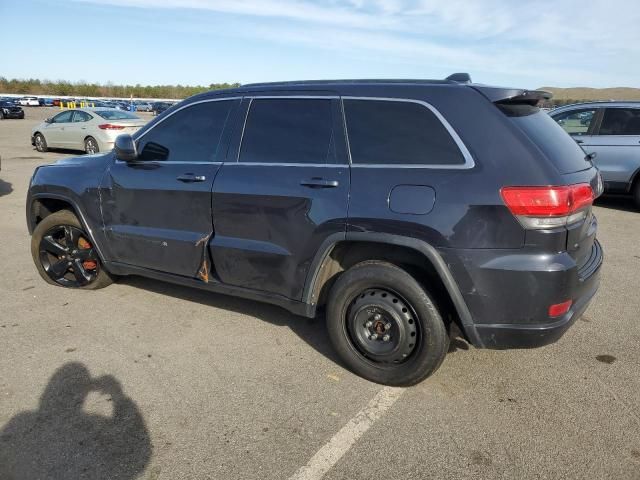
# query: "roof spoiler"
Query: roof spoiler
{"points": [[513, 96]]}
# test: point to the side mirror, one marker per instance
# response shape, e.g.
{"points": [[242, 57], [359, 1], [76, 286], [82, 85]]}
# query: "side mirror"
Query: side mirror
{"points": [[48, 120], [125, 148]]}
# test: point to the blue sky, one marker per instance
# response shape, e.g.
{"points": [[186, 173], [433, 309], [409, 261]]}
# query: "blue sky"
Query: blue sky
{"points": [[563, 43]]}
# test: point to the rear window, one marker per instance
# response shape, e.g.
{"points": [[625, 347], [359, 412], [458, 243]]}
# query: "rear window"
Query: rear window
{"points": [[554, 142], [383, 132], [116, 115]]}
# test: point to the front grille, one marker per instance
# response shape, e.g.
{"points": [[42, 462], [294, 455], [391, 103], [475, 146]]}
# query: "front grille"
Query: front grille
{"points": [[593, 262]]}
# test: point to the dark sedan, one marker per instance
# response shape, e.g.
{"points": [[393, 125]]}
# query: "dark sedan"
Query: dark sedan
{"points": [[10, 110]]}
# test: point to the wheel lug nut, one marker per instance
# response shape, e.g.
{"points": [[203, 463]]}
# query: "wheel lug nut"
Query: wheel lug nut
{"points": [[368, 324], [387, 326], [377, 317], [374, 336], [386, 338]]}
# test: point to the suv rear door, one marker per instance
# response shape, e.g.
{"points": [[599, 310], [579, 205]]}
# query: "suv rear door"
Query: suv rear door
{"points": [[282, 191], [617, 144]]}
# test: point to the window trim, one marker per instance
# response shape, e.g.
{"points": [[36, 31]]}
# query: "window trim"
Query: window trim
{"points": [[171, 162], [251, 98], [468, 159]]}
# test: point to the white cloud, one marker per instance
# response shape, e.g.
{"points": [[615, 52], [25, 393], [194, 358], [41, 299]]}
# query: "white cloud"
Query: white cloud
{"points": [[572, 40]]}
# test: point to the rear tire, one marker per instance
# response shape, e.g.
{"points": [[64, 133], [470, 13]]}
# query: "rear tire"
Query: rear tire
{"points": [[91, 146], [60, 267], [378, 299], [41, 143]]}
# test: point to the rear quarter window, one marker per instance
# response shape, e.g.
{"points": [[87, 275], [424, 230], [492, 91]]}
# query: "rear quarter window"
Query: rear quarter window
{"points": [[556, 144], [390, 132]]}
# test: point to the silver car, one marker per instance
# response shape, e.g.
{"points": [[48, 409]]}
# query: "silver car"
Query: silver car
{"points": [[612, 131], [90, 129]]}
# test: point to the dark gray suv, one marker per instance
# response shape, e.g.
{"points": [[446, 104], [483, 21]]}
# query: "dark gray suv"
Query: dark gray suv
{"points": [[406, 210]]}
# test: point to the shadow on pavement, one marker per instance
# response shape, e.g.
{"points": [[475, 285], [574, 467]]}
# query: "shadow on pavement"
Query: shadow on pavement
{"points": [[5, 188], [60, 440], [311, 331], [616, 202]]}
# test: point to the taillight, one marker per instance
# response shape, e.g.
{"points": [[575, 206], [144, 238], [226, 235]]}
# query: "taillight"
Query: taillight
{"points": [[110, 126], [548, 207]]}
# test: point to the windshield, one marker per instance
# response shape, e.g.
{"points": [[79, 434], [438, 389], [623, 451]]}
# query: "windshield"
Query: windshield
{"points": [[117, 115]]}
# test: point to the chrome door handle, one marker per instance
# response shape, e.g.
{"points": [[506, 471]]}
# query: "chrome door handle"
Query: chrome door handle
{"points": [[190, 178]]}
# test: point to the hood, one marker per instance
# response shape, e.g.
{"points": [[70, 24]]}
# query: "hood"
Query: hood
{"points": [[84, 160]]}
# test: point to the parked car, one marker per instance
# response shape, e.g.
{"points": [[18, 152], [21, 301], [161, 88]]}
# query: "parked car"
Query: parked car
{"points": [[144, 107], [159, 107], [10, 110], [611, 130], [386, 203], [90, 129], [29, 101]]}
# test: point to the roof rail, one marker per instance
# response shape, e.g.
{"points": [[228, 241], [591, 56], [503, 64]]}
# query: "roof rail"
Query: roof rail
{"points": [[459, 77]]}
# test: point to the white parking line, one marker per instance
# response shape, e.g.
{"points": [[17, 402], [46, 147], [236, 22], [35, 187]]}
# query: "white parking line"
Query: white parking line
{"points": [[348, 435]]}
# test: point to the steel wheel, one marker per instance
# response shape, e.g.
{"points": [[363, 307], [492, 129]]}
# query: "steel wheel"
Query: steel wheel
{"points": [[381, 326], [68, 257]]}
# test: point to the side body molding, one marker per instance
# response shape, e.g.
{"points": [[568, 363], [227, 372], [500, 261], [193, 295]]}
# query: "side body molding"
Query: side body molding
{"points": [[429, 252]]}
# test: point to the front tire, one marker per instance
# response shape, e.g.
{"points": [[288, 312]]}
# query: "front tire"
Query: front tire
{"points": [[384, 325], [91, 145], [63, 254], [40, 142]]}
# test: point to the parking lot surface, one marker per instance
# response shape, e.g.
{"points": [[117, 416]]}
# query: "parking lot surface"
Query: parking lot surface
{"points": [[155, 381]]}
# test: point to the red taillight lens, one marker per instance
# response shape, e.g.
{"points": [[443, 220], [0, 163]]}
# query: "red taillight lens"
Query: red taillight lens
{"points": [[560, 308], [548, 207], [109, 126]]}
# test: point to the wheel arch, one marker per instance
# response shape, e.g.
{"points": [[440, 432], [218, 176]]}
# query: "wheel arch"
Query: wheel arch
{"points": [[44, 204], [635, 178], [416, 256]]}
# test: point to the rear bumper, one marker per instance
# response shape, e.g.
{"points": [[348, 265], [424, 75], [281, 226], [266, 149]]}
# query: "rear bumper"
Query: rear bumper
{"points": [[508, 294]]}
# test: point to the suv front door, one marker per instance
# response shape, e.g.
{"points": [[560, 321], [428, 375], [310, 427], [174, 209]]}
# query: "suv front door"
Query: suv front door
{"points": [[157, 210], [281, 193]]}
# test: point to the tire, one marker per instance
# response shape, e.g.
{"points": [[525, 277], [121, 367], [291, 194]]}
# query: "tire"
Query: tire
{"points": [[41, 143], [412, 339], [74, 264], [636, 193], [91, 146]]}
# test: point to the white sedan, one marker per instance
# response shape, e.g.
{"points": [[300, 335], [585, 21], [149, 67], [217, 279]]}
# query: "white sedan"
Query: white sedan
{"points": [[29, 101], [92, 130]]}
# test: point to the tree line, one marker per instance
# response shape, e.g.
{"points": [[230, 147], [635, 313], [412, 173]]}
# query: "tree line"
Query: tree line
{"points": [[33, 86]]}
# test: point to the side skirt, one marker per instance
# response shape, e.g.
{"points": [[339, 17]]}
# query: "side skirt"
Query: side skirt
{"points": [[294, 306]]}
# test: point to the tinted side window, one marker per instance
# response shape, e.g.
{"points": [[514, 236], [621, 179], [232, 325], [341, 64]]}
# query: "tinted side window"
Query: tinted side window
{"points": [[576, 122], [189, 135], [620, 121], [396, 132], [81, 117], [63, 117], [288, 130]]}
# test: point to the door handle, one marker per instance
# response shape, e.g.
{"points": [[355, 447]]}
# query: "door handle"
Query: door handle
{"points": [[319, 183], [579, 141], [190, 178]]}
